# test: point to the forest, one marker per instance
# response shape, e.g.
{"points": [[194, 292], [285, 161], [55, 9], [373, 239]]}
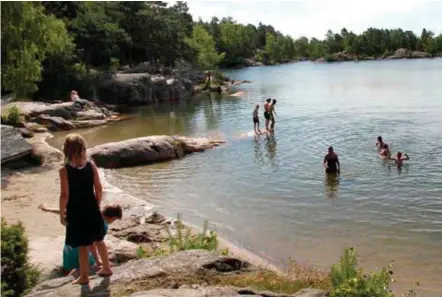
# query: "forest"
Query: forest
{"points": [[49, 46]]}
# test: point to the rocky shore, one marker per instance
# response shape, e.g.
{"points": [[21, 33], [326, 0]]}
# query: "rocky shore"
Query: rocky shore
{"points": [[139, 244], [401, 53]]}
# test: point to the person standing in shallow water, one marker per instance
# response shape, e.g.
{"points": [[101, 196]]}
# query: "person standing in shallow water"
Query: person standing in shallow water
{"points": [[80, 200], [272, 115], [256, 119], [331, 162], [267, 114]]}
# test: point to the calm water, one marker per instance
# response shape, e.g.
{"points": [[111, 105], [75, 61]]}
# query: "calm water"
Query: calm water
{"points": [[270, 194]]}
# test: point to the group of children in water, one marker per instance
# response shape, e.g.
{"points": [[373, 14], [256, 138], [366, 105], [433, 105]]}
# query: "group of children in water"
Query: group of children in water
{"points": [[386, 154], [269, 116], [79, 211]]}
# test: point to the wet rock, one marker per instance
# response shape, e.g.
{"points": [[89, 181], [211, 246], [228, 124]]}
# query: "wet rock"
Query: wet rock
{"points": [[89, 123], [148, 149], [182, 263], [54, 123], [91, 115]]}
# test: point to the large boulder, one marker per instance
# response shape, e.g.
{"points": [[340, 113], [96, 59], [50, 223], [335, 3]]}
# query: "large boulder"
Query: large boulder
{"points": [[185, 263], [143, 88], [148, 149], [13, 147]]}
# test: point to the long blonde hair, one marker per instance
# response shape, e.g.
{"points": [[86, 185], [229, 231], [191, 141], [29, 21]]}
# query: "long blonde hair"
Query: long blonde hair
{"points": [[74, 147]]}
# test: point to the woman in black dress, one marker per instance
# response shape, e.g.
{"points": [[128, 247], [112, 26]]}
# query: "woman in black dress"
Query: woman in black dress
{"points": [[80, 199]]}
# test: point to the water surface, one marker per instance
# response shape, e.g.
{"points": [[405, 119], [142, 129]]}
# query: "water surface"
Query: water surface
{"points": [[270, 195]]}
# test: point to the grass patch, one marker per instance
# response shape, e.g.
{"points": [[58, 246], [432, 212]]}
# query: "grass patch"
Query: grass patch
{"points": [[183, 239]]}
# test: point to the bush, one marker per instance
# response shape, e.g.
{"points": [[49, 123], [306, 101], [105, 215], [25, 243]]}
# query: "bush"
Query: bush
{"points": [[18, 276], [12, 116], [350, 281]]}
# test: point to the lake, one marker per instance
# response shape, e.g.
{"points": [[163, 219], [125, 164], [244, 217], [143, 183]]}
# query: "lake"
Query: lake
{"points": [[270, 195]]}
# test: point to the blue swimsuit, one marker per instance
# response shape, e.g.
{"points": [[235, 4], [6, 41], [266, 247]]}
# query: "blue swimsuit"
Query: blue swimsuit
{"points": [[71, 259]]}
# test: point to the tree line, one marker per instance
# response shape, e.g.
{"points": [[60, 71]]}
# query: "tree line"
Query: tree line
{"points": [[49, 47]]}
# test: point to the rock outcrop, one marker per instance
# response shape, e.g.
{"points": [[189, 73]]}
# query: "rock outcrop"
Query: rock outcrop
{"points": [[129, 275], [13, 145], [41, 117], [148, 149], [403, 53]]}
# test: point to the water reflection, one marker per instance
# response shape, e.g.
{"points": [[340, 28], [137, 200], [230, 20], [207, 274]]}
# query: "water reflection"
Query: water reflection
{"points": [[257, 148], [332, 185], [270, 142]]}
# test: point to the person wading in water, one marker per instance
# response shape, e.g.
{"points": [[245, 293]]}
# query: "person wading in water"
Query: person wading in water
{"points": [[331, 162], [267, 113]]}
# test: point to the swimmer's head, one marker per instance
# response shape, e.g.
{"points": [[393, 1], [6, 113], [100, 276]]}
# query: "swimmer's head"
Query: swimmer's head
{"points": [[385, 146], [380, 138], [269, 100], [399, 155], [330, 149], [274, 101], [257, 106]]}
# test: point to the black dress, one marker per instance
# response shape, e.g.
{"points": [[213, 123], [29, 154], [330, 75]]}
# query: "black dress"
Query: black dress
{"points": [[85, 223]]}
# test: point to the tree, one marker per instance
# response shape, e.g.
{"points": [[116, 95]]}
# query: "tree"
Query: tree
{"points": [[28, 37], [202, 42]]}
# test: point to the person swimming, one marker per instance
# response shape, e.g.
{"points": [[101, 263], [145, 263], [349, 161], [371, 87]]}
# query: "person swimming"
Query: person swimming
{"points": [[385, 152], [267, 113], [400, 158], [331, 162], [380, 143]]}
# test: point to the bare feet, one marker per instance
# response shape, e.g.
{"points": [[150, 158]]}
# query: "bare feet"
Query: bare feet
{"points": [[104, 272], [81, 281]]}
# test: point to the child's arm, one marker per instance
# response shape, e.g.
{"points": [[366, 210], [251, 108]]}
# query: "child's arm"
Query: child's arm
{"points": [[47, 209], [64, 195], [97, 184], [405, 157]]}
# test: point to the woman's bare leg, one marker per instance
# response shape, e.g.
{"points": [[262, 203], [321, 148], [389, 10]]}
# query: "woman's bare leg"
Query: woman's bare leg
{"points": [[84, 266], [102, 250]]}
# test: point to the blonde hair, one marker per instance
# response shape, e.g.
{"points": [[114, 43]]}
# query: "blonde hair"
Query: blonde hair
{"points": [[74, 146]]}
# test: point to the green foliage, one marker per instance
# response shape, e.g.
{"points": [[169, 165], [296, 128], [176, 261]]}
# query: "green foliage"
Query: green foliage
{"points": [[58, 44], [12, 116], [29, 36], [350, 281], [184, 240], [204, 45], [18, 276]]}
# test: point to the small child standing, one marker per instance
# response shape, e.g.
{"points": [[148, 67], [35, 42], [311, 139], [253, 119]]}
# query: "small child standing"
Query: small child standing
{"points": [[70, 265], [256, 119], [80, 200]]}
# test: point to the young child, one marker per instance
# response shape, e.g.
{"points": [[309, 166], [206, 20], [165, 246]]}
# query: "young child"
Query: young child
{"points": [[80, 200], [256, 119], [110, 213], [400, 158]]}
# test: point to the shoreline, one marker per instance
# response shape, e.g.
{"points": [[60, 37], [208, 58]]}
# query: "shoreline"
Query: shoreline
{"points": [[30, 182]]}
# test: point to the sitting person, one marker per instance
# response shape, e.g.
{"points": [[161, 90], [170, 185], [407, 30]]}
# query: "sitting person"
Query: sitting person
{"points": [[78, 102], [385, 152], [71, 263], [400, 158]]}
